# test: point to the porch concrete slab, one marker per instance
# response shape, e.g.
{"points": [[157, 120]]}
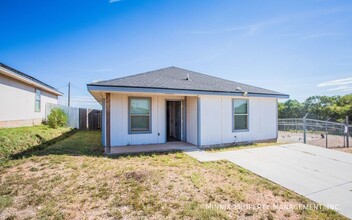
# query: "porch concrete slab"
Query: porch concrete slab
{"points": [[320, 174], [201, 155], [149, 148]]}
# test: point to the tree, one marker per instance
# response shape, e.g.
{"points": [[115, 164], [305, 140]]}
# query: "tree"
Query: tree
{"points": [[318, 107], [290, 109]]}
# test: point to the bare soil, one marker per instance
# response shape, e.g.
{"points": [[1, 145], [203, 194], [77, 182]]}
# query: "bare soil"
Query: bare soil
{"points": [[316, 139]]}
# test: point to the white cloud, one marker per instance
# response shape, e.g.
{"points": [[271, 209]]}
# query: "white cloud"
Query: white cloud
{"points": [[252, 28], [319, 35], [338, 82], [341, 88], [101, 70]]}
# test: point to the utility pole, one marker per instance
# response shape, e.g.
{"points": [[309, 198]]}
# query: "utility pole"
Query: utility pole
{"points": [[69, 93]]}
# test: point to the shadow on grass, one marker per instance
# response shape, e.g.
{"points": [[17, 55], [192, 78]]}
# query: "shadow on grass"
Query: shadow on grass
{"points": [[43, 145], [79, 143], [142, 154]]}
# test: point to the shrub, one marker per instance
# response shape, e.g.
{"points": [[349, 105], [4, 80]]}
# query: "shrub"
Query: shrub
{"points": [[57, 118]]}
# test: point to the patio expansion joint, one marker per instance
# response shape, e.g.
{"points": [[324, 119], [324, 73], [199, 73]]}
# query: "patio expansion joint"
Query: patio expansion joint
{"points": [[315, 155], [322, 190]]}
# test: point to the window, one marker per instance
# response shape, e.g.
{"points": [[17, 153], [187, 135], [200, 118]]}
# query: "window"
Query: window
{"points": [[240, 114], [139, 113], [37, 100]]}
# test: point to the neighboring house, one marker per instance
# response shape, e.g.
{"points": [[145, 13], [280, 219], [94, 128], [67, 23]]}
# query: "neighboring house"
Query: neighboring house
{"points": [[176, 104], [23, 98]]}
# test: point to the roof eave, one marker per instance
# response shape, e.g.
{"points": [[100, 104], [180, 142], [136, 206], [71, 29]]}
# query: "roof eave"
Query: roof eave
{"points": [[18, 77], [107, 88]]}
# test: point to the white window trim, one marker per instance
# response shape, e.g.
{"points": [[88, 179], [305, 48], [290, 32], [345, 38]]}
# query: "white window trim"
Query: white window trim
{"points": [[40, 100], [233, 116], [129, 116]]}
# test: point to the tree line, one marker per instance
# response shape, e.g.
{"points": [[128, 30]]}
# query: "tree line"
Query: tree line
{"points": [[318, 107]]}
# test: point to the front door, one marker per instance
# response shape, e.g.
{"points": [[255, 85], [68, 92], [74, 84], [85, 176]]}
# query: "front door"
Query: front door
{"points": [[174, 120]]}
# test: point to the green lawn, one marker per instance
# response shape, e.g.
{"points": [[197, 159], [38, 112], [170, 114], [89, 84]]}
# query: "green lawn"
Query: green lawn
{"points": [[17, 140], [73, 180]]}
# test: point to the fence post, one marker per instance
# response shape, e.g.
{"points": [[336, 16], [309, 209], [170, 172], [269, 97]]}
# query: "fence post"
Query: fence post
{"points": [[326, 134], [346, 133], [304, 130]]}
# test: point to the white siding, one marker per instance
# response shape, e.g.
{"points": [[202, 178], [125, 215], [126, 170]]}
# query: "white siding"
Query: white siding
{"points": [[216, 120], [192, 120], [119, 120], [17, 100]]}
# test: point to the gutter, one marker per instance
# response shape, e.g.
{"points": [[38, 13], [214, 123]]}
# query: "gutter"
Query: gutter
{"points": [[107, 88], [12, 74]]}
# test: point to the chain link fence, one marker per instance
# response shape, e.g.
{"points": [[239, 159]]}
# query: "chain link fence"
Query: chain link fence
{"points": [[315, 132]]}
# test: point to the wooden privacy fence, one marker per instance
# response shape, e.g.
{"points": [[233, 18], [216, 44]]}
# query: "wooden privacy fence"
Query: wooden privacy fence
{"points": [[89, 119], [80, 118]]}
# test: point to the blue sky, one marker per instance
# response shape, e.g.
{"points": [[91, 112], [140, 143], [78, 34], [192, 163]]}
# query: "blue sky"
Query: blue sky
{"points": [[301, 48]]}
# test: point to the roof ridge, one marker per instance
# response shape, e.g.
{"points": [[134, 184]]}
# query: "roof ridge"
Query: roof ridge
{"points": [[225, 79], [137, 74]]}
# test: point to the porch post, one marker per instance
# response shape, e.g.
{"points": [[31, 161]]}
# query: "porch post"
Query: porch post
{"points": [[185, 120], [108, 124], [103, 123], [199, 144]]}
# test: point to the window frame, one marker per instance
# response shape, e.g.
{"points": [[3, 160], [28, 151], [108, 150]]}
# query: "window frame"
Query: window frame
{"points": [[39, 100], [130, 115], [233, 116]]}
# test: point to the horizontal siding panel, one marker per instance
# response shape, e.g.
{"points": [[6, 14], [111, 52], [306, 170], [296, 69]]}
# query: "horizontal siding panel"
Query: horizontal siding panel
{"points": [[17, 100]]}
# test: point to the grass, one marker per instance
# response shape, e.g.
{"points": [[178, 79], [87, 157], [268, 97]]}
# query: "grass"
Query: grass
{"points": [[18, 140], [72, 180], [242, 146]]}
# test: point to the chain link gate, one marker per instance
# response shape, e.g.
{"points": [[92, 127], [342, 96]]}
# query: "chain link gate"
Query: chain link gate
{"points": [[315, 132]]}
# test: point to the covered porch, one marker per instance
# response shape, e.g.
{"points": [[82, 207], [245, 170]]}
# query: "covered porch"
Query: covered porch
{"points": [[136, 122]]}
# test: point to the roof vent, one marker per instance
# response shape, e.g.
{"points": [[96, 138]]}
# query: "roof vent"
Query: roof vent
{"points": [[188, 79], [238, 88]]}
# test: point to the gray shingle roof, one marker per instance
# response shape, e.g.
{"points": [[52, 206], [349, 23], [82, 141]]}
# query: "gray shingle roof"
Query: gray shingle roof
{"points": [[28, 77], [176, 78]]}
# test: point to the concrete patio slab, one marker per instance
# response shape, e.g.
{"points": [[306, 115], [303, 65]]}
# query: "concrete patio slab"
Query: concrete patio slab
{"points": [[322, 175], [149, 148], [201, 155]]}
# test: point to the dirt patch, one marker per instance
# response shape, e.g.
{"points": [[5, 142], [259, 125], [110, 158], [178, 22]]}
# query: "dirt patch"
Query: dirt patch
{"points": [[139, 176], [335, 142], [347, 150]]}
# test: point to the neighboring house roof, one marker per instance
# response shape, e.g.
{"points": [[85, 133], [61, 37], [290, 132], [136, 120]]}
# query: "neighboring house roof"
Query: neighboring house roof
{"points": [[175, 79], [13, 73]]}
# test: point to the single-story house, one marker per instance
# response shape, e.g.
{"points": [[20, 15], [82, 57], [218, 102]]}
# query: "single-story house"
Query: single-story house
{"points": [[23, 98], [174, 104]]}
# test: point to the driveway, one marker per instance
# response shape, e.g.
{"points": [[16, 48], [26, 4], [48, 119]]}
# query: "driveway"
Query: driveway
{"points": [[322, 175]]}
